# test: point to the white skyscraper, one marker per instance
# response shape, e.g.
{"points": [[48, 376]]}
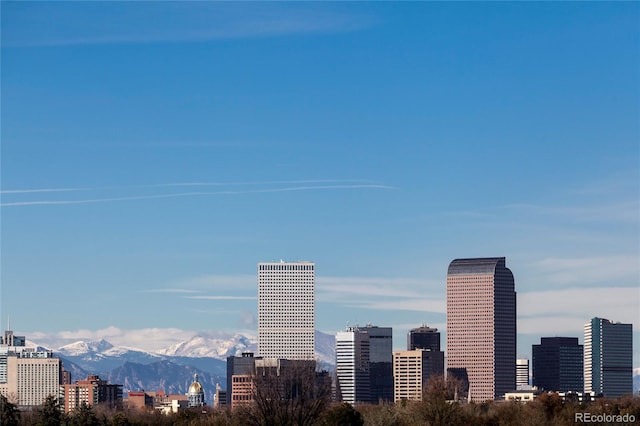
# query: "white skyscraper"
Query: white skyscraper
{"points": [[352, 365], [522, 373], [286, 310]]}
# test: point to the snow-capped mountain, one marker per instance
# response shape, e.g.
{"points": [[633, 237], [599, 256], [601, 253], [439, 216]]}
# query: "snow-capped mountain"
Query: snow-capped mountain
{"points": [[215, 347], [207, 351], [169, 368], [82, 347], [101, 356]]}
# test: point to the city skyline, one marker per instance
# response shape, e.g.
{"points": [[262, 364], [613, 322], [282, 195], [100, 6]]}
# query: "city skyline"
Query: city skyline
{"points": [[154, 153]]}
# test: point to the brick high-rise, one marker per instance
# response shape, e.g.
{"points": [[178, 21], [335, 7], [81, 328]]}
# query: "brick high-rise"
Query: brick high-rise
{"points": [[481, 325]]}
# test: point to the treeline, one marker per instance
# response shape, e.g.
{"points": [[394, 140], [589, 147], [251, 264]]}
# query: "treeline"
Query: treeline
{"points": [[435, 409]]}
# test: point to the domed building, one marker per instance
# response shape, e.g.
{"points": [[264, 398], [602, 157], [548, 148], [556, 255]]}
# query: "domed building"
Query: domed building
{"points": [[196, 393]]}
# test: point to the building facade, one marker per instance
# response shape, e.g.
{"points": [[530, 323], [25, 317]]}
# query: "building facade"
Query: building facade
{"points": [[32, 376], [423, 337], [608, 358], [239, 372], [91, 391], [380, 362], [522, 373], [481, 325], [195, 394], [558, 364], [286, 310], [412, 371], [9, 345], [353, 380]]}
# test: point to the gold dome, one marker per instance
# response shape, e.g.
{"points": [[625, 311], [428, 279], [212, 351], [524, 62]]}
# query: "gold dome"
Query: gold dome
{"points": [[195, 388]]}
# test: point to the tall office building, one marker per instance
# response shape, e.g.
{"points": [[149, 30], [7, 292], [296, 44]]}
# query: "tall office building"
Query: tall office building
{"points": [[481, 325], [557, 364], [423, 337], [286, 310], [352, 365], [412, 371], [380, 362], [32, 376], [522, 373], [608, 358], [26, 373]]}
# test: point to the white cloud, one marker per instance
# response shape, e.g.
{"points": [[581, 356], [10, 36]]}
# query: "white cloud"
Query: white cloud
{"points": [[567, 310], [615, 268]]}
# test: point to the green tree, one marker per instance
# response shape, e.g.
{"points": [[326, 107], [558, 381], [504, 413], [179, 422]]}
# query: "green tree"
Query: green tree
{"points": [[9, 414], [84, 416], [49, 413]]}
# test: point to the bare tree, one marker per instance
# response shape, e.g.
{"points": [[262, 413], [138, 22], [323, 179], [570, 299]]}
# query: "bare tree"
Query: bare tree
{"points": [[288, 393]]}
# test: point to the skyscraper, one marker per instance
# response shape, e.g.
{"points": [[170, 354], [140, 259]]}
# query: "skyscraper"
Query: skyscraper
{"points": [[608, 358], [380, 362], [522, 373], [423, 337], [557, 364], [481, 325], [286, 310], [412, 371], [28, 374], [352, 365]]}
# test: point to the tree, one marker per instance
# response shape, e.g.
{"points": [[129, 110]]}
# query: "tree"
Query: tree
{"points": [[342, 415], [9, 414], [437, 407], [84, 416], [49, 413], [288, 393]]}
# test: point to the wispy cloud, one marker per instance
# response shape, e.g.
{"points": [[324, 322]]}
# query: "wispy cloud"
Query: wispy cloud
{"points": [[31, 191], [588, 271], [221, 297], [381, 293], [170, 290], [553, 312], [155, 22], [622, 211]]}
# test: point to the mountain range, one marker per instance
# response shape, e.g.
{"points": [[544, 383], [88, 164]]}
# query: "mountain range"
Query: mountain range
{"points": [[170, 369]]}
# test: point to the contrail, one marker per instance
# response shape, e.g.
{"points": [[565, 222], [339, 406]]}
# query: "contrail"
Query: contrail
{"points": [[190, 194], [179, 184], [29, 191]]}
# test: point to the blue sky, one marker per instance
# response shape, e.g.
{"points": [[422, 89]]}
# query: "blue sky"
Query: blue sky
{"points": [[153, 153]]}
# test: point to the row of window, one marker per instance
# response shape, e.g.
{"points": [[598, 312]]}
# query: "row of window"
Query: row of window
{"points": [[286, 267]]}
